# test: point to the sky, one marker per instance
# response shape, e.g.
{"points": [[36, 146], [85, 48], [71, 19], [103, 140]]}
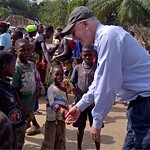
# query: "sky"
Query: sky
{"points": [[38, 1]]}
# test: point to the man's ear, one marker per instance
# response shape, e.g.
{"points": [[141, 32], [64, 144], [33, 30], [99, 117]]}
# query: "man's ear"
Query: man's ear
{"points": [[85, 23]]}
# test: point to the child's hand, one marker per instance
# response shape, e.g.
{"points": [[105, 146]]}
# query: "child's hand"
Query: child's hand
{"points": [[65, 112]]}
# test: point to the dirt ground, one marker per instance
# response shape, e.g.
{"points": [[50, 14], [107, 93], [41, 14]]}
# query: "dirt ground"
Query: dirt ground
{"points": [[112, 135]]}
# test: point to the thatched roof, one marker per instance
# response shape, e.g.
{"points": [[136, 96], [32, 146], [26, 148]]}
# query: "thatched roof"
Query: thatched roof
{"points": [[17, 20], [142, 34]]}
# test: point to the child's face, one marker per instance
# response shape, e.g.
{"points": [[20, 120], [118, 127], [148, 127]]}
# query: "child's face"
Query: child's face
{"points": [[87, 56], [10, 68], [33, 33], [14, 38], [24, 52], [57, 75], [41, 29]]}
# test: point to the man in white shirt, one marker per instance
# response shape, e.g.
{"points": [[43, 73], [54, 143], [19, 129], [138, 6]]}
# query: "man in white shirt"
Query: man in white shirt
{"points": [[123, 71]]}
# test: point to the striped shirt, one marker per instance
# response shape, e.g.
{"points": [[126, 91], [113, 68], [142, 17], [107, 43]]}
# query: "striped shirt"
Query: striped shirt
{"points": [[56, 104]]}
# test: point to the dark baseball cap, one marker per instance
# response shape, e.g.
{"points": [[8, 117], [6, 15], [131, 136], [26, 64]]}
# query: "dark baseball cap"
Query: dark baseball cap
{"points": [[79, 13]]}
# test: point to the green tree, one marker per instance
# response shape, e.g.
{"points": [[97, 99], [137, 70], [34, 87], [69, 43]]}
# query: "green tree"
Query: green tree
{"points": [[18, 7], [53, 12], [76, 3], [122, 12], [4, 13]]}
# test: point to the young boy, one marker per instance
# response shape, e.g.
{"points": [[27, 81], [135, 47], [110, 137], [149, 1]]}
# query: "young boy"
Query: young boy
{"points": [[15, 35], [9, 102], [81, 79], [24, 82], [57, 107]]}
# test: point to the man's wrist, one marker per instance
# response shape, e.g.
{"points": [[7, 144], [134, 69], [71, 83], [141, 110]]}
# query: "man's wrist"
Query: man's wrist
{"points": [[81, 105], [97, 125], [77, 108]]}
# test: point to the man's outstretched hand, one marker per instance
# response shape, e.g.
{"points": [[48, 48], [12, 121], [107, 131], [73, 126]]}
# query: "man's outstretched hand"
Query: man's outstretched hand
{"points": [[73, 115], [95, 134]]}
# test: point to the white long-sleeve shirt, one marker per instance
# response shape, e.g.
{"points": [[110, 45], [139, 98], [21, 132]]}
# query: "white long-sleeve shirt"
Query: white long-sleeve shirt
{"points": [[123, 71]]}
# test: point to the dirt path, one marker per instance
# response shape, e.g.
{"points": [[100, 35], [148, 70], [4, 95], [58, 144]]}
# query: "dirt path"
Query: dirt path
{"points": [[112, 135]]}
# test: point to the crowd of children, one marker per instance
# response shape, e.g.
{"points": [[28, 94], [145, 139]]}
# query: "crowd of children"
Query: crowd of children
{"points": [[24, 68]]}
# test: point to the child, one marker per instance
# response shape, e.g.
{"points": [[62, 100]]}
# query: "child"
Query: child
{"points": [[15, 35], [24, 82], [81, 79], [57, 107], [35, 128], [9, 102]]}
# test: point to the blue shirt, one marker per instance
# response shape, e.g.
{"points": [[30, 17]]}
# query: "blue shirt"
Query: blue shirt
{"points": [[77, 52], [5, 41], [123, 70]]}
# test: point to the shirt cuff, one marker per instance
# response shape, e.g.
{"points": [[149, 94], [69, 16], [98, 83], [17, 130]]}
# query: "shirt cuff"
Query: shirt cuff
{"points": [[82, 105], [96, 124]]}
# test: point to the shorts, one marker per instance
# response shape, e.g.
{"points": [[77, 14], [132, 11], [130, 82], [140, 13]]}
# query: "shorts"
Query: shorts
{"points": [[54, 137], [81, 122]]}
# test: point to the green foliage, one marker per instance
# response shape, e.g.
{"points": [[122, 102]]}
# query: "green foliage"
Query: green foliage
{"points": [[4, 13], [53, 12], [122, 12], [76, 3], [56, 12]]}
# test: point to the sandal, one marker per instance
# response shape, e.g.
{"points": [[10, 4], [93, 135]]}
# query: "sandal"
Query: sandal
{"points": [[33, 130]]}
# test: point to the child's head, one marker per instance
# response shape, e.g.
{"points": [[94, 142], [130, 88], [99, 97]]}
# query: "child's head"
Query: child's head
{"points": [[49, 31], [23, 49], [58, 34], [40, 28], [6, 134], [7, 64], [88, 53], [15, 35], [57, 74]]}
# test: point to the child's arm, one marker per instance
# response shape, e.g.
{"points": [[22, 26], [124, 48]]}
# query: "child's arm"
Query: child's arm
{"points": [[26, 113], [78, 93], [66, 44], [73, 81], [52, 50], [45, 51]]}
